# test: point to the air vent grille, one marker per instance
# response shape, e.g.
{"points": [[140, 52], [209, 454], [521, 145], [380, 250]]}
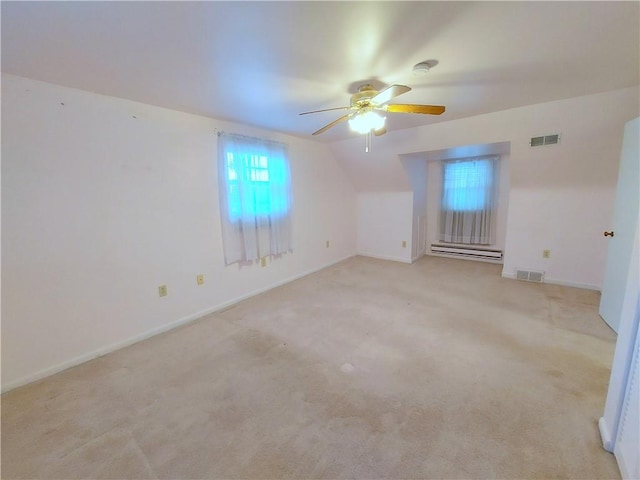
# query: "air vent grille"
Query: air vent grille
{"points": [[530, 276], [545, 140]]}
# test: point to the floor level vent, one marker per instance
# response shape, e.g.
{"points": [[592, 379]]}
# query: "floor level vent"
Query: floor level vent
{"points": [[530, 276], [468, 252]]}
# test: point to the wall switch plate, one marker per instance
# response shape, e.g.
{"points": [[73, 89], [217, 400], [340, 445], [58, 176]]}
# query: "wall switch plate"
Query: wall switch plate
{"points": [[162, 290], [404, 244], [263, 262], [327, 244], [546, 253], [200, 279]]}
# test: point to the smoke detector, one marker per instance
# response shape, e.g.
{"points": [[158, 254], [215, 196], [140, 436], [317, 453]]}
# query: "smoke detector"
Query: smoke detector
{"points": [[423, 68]]}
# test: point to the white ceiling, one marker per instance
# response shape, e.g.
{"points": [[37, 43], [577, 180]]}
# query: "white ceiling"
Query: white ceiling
{"points": [[262, 63]]}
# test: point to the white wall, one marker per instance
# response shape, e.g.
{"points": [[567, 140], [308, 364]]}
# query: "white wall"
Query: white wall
{"points": [[384, 222], [100, 208], [416, 170], [560, 197]]}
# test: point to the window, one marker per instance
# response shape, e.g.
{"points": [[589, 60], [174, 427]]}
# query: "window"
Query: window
{"points": [[467, 185], [468, 192], [256, 173], [255, 198]]}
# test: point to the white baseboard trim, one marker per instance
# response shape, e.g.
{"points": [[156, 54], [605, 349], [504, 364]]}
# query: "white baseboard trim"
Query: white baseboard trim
{"points": [[556, 281], [605, 435], [418, 257], [73, 362], [567, 283], [253, 293], [625, 467], [384, 257]]}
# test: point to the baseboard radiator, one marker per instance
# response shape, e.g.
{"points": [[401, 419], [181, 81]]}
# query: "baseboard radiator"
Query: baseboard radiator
{"points": [[467, 252]]}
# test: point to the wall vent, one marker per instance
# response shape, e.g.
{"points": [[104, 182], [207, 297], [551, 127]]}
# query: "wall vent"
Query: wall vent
{"points": [[530, 276], [545, 140]]}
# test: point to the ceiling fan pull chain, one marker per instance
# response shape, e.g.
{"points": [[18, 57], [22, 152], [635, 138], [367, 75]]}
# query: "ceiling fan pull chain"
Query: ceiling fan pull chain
{"points": [[367, 142]]}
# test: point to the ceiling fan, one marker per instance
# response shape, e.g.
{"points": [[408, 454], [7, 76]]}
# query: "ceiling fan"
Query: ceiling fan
{"points": [[364, 104]]}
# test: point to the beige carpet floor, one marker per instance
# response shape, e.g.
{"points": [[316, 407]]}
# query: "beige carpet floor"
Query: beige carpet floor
{"points": [[367, 369]]}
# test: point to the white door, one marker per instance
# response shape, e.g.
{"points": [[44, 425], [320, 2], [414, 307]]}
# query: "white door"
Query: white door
{"points": [[627, 446], [625, 219]]}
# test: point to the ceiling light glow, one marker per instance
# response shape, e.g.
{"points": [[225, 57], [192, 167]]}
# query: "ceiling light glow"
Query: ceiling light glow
{"points": [[365, 122]]}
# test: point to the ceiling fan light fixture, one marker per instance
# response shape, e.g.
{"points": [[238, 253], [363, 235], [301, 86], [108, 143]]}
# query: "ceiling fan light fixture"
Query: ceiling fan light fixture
{"points": [[366, 122], [364, 104]]}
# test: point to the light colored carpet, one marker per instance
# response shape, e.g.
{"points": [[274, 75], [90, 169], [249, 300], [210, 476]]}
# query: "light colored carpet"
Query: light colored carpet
{"points": [[368, 369]]}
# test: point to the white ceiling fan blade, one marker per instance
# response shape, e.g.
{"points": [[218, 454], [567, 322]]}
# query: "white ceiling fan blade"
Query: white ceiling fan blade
{"points": [[388, 93], [325, 110], [335, 122]]}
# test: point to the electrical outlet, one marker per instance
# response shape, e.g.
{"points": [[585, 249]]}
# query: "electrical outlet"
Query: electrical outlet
{"points": [[263, 262], [162, 290], [546, 253], [200, 279], [404, 244], [327, 244]]}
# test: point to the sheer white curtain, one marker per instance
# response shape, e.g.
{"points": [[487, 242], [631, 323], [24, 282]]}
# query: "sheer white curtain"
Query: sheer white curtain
{"points": [[468, 201], [255, 198]]}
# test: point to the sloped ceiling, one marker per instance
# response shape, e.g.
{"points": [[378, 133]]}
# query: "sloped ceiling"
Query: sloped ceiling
{"points": [[262, 63]]}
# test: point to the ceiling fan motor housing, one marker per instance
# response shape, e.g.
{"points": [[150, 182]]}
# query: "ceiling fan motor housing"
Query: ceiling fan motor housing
{"points": [[365, 93]]}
